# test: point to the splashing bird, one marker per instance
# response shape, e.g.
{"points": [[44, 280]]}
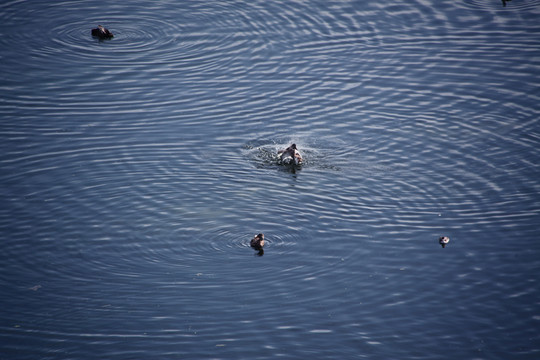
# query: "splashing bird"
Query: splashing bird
{"points": [[290, 156]]}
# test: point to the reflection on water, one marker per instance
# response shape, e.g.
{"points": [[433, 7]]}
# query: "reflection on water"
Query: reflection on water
{"points": [[136, 171]]}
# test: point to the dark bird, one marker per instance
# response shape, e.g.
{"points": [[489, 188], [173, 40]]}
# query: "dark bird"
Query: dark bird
{"points": [[257, 242], [443, 240], [102, 33]]}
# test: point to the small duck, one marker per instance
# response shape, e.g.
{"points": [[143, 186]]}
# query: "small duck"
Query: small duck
{"points": [[257, 242], [290, 156], [102, 33], [443, 240]]}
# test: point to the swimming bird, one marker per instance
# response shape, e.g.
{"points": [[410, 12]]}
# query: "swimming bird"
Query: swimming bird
{"points": [[443, 240], [257, 242], [290, 155], [102, 33]]}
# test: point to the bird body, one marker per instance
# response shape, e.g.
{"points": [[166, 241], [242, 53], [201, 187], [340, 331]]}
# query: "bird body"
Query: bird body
{"points": [[444, 240], [290, 156], [257, 242], [102, 33]]}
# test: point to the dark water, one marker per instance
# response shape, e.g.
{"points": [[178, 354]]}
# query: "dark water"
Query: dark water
{"points": [[135, 171]]}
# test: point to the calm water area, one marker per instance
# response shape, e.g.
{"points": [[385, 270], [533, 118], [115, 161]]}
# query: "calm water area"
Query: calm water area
{"points": [[134, 172]]}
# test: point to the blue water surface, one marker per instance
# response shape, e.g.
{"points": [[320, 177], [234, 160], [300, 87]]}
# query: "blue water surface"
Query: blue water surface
{"points": [[135, 171]]}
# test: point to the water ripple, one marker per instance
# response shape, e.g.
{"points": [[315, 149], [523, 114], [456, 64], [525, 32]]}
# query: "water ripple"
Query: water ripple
{"points": [[135, 172]]}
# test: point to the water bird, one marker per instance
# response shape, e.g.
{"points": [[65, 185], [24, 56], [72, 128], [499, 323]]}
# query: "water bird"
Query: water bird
{"points": [[443, 240], [257, 242], [102, 33], [290, 156], [504, 2]]}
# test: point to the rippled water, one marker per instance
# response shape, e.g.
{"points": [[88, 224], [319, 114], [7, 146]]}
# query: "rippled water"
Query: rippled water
{"points": [[135, 171]]}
